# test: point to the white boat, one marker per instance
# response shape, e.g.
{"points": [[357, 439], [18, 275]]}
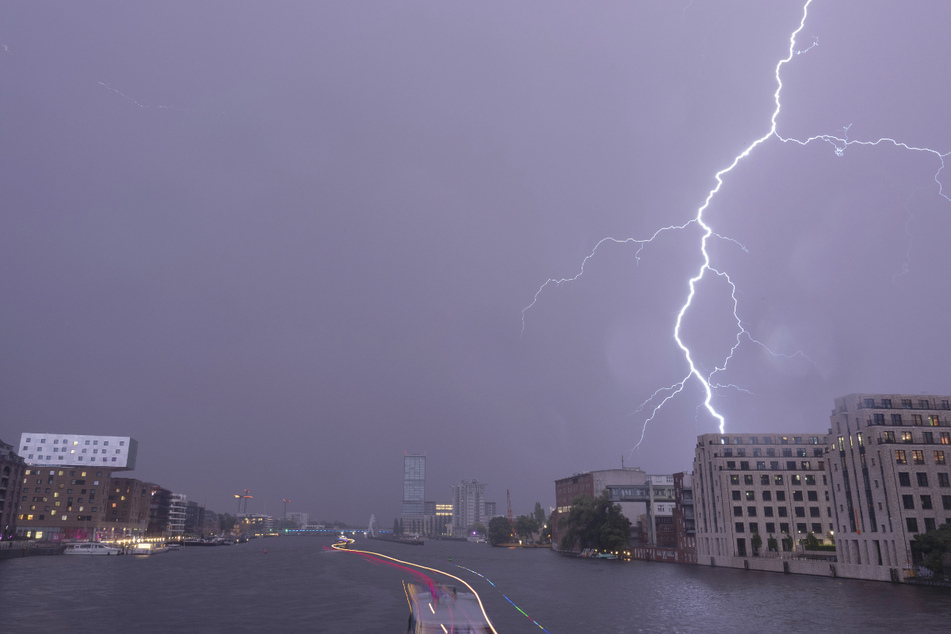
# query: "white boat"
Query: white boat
{"points": [[91, 548]]}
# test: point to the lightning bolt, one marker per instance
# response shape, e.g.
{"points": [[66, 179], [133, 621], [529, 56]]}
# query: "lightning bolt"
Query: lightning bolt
{"points": [[840, 143], [140, 105]]}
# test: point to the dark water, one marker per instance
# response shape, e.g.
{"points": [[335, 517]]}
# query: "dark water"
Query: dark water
{"points": [[300, 586]]}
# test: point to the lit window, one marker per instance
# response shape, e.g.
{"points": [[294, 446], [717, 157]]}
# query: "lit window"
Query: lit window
{"points": [[900, 456]]}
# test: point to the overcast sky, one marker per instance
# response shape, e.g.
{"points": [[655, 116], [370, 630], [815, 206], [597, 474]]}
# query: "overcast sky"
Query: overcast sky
{"points": [[282, 243]]}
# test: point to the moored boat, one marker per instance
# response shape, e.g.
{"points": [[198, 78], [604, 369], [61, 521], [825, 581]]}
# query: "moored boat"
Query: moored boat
{"points": [[91, 548]]}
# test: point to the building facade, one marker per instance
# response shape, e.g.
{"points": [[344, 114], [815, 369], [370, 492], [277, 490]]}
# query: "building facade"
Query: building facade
{"points": [[12, 468], [42, 449], [765, 485], [468, 505], [177, 514], [414, 493], [126, 512], [628, 487], [890, 478], [64, 503]]}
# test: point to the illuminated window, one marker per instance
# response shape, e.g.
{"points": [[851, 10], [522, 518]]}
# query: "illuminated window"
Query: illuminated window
{"points": [[918, 456], [900, 456], [906, 437]]}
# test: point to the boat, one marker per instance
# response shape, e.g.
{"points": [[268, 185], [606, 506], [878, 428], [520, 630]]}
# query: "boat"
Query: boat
{"points": [[148, 548], [444, 609], [91, 548]]}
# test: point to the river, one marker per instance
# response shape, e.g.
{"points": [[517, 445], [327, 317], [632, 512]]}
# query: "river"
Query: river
{"points": [[300, 585]]}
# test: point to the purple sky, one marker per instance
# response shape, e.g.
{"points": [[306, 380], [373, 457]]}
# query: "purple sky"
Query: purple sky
{"points": [[281, 243]]}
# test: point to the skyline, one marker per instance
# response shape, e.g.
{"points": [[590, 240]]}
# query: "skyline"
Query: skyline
{"points": [[281, 245]]}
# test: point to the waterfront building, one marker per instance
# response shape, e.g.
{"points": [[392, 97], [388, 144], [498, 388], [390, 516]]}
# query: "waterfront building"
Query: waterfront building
{"points": [[12, 468], [254, 524], [160, 503], [126, 513], [177, 512], [685, 528], [414, 493], [628, 486], [44, 449], [444, 518], [63, 503], [298, 518], [770, 485], [890, 479], [468, 506]]}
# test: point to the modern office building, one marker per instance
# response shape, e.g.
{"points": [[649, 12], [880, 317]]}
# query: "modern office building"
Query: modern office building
{"points": [[160, 503], [468, 505], [770, 485], [414, 493], [43, 449], [890, 479], [12, 470]]}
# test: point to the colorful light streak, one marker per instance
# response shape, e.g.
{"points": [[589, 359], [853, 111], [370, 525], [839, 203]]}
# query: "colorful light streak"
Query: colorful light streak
{"points": [[504, 596]]}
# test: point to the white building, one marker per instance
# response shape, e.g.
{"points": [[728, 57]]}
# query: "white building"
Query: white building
{"points": [[468, 505], [890, 479], [177, 511], [78, 450]]}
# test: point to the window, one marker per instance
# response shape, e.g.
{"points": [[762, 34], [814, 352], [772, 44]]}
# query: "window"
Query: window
{"points": [[817, 528], [795, 479], [734, 479], [939, 457], [906, 403], [774, 464], [805, 465], [770, 528], [904, 478], [801, 527], [741, 452], [868, 402], [784, 527], [781, 511], [811, 480], [757, 452], [922, 479], [739, 527], [934, 420], [929, 524], [800, 511], [790, 465], [926, 502], [945, 438], [817, 452], [879, 419], [888, 437], [751, 511], [736, 495], [813, 496], [900, 456], [750, 496], [770, 452], [946, 502], [787, 452], [906, 437], [923, 403], [916, 420], [908, 501], [764, 480], [737, 511], [887, 403], [814, 511], [748, 479], [896, 419], [768, 511], [912, 524], [918, 456], [767, 496], [778, 480], [780, 496], [943, 480], [744, 465], [728, 452], [797, 496], [801, 452], [731, 464]]}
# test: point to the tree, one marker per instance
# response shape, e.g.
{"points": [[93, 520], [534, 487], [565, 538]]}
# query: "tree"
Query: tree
{"points": [[810, 542], [478, 527], [595, 523], [539, 514], [227, 522], [757, 543], [525, 526], [771, 544], [500, 531], [933, 546], [546, 531], [396, 526]]}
